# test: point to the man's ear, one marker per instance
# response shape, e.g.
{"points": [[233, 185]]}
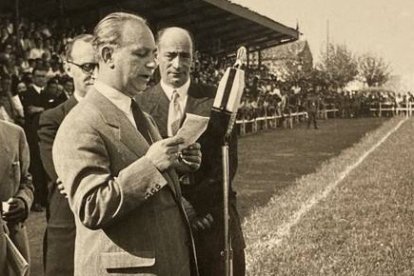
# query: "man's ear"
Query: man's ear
{"points": [[107, 55], [67, 68]]}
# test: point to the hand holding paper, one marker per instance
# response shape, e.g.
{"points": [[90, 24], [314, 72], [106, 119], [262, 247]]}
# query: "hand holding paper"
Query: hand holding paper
{"points": [[192, 128]]}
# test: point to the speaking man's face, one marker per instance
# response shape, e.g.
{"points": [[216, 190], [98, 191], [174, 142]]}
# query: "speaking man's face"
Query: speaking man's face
{"points": [[175, 56], [134, 60]]}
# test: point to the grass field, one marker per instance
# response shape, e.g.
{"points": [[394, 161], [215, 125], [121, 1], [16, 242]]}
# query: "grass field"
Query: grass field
{"points": [[271, 161], [361, 225], [270, 165]]}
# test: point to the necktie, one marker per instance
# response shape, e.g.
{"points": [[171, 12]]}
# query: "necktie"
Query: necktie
{"points": [[140, 121], [175, 113]]}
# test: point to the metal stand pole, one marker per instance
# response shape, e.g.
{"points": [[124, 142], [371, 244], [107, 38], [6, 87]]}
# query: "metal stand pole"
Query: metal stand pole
{"points": [[227, 253]]}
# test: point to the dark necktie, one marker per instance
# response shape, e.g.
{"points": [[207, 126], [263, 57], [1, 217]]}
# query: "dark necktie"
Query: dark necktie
{"points": [[140, 121]]}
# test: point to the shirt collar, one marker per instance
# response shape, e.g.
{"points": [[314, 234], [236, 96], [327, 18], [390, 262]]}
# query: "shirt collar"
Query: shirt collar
{"points": [[37, 88], [118, 98], [182, 91]]}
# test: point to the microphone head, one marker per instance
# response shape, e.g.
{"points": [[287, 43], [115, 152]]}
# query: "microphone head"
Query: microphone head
{"points": [[241, 57], [242, 53]]}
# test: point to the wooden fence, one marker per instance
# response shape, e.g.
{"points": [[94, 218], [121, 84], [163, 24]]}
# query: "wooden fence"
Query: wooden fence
{"points": [[286, 121]]}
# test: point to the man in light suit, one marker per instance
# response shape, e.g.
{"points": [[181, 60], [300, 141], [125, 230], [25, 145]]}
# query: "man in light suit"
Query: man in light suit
{"points": [[16, 187], [203, 188], [118, 173], [59, 243]]}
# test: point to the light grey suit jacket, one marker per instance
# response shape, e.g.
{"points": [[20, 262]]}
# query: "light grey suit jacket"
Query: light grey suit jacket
{"points": [[128, 215], [15, 179]]}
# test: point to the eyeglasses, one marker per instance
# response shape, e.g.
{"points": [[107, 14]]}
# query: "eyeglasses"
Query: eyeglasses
{"points": [[87, 68]]}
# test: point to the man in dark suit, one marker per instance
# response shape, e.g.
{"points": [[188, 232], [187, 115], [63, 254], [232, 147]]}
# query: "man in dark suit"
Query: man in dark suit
{"points": [[312, 107], [35, 101], [60, 234], [203, 189], [119, 175]]}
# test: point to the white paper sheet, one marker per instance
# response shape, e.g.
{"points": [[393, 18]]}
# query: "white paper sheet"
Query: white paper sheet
{"points": [[192, 128]]}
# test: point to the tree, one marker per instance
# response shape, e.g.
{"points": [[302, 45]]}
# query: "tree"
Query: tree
{"points": [[373, 70], [338, 65]]}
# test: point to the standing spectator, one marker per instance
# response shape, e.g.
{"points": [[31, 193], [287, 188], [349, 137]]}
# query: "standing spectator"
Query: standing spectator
{"points": [[167, 103], [60, 232], [312, 107], [35, 101], [16, 186]]}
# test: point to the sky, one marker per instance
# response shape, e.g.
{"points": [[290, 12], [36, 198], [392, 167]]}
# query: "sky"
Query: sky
{"points": [[382, 27]]}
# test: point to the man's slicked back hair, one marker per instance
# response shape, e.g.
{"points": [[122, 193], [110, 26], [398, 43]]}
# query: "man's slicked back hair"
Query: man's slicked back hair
{"points": [[109, 30]]}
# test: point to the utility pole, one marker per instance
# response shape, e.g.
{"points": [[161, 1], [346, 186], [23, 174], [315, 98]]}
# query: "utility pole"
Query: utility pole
{"points": [[327, 38]]}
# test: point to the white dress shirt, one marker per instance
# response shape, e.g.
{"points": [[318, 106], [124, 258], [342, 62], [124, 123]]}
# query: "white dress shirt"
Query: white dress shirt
{"points": [[120, 100]]}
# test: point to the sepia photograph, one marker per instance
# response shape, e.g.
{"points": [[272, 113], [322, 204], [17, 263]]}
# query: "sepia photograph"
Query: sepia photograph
{"points": [[206, 137]]}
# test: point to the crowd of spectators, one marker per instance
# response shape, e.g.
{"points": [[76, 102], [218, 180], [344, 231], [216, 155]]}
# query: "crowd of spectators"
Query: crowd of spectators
{"points": [[24, 47], [265, 95]]}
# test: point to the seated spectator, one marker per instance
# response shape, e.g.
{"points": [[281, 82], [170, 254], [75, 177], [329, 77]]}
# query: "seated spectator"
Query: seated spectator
{"points": [[11, 109], [37, 51]]}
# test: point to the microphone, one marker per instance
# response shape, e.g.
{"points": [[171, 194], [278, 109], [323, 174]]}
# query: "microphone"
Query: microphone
{"points": [[228, 96]]}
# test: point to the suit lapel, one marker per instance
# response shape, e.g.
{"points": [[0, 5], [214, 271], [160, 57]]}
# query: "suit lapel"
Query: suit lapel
{"points": [[129, 135], [114, 117], [158, 108]]}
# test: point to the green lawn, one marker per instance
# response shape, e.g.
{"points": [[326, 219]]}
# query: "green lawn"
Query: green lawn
{"points": [[269, 163]]}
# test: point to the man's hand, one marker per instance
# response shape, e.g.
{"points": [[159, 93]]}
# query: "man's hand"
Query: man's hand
{"points": [[192, 156], [202, 223], [61, 188], [197, 223], [164, 153], [16, 212]]}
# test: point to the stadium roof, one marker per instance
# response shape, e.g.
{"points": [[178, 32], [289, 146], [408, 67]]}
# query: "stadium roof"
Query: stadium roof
{"points": [[218, 26]]}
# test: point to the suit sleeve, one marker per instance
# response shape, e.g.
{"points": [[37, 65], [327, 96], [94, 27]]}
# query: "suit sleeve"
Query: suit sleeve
{"points": [[96, 196], [48, 127], [26, 187]]}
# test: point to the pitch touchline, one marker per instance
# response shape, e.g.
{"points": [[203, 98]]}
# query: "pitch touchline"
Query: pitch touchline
{"points": [[284, 229]]}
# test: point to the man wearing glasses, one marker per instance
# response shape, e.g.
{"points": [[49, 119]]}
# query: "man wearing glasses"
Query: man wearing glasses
{"points": [[59, 242]]}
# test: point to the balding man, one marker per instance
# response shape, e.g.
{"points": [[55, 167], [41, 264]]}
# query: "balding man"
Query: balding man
{"points": [[119, 176], [80, 64], [167, 103]]}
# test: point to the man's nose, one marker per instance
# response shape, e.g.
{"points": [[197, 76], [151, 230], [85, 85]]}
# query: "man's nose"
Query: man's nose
{"points": [[152, 63], [176, 62]]}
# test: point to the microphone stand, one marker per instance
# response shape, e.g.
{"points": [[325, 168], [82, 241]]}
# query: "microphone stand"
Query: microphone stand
{"points": [[228, 252]]}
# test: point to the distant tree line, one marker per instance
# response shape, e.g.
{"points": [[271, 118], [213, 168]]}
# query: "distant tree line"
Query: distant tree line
{"points": [[337, 67]]}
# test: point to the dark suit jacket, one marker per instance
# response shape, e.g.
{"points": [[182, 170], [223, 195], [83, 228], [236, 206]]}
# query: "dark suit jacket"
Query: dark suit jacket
{"points": [[49, 123], [205, 190], [32, 98], [61, 229], [129, 216]]}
